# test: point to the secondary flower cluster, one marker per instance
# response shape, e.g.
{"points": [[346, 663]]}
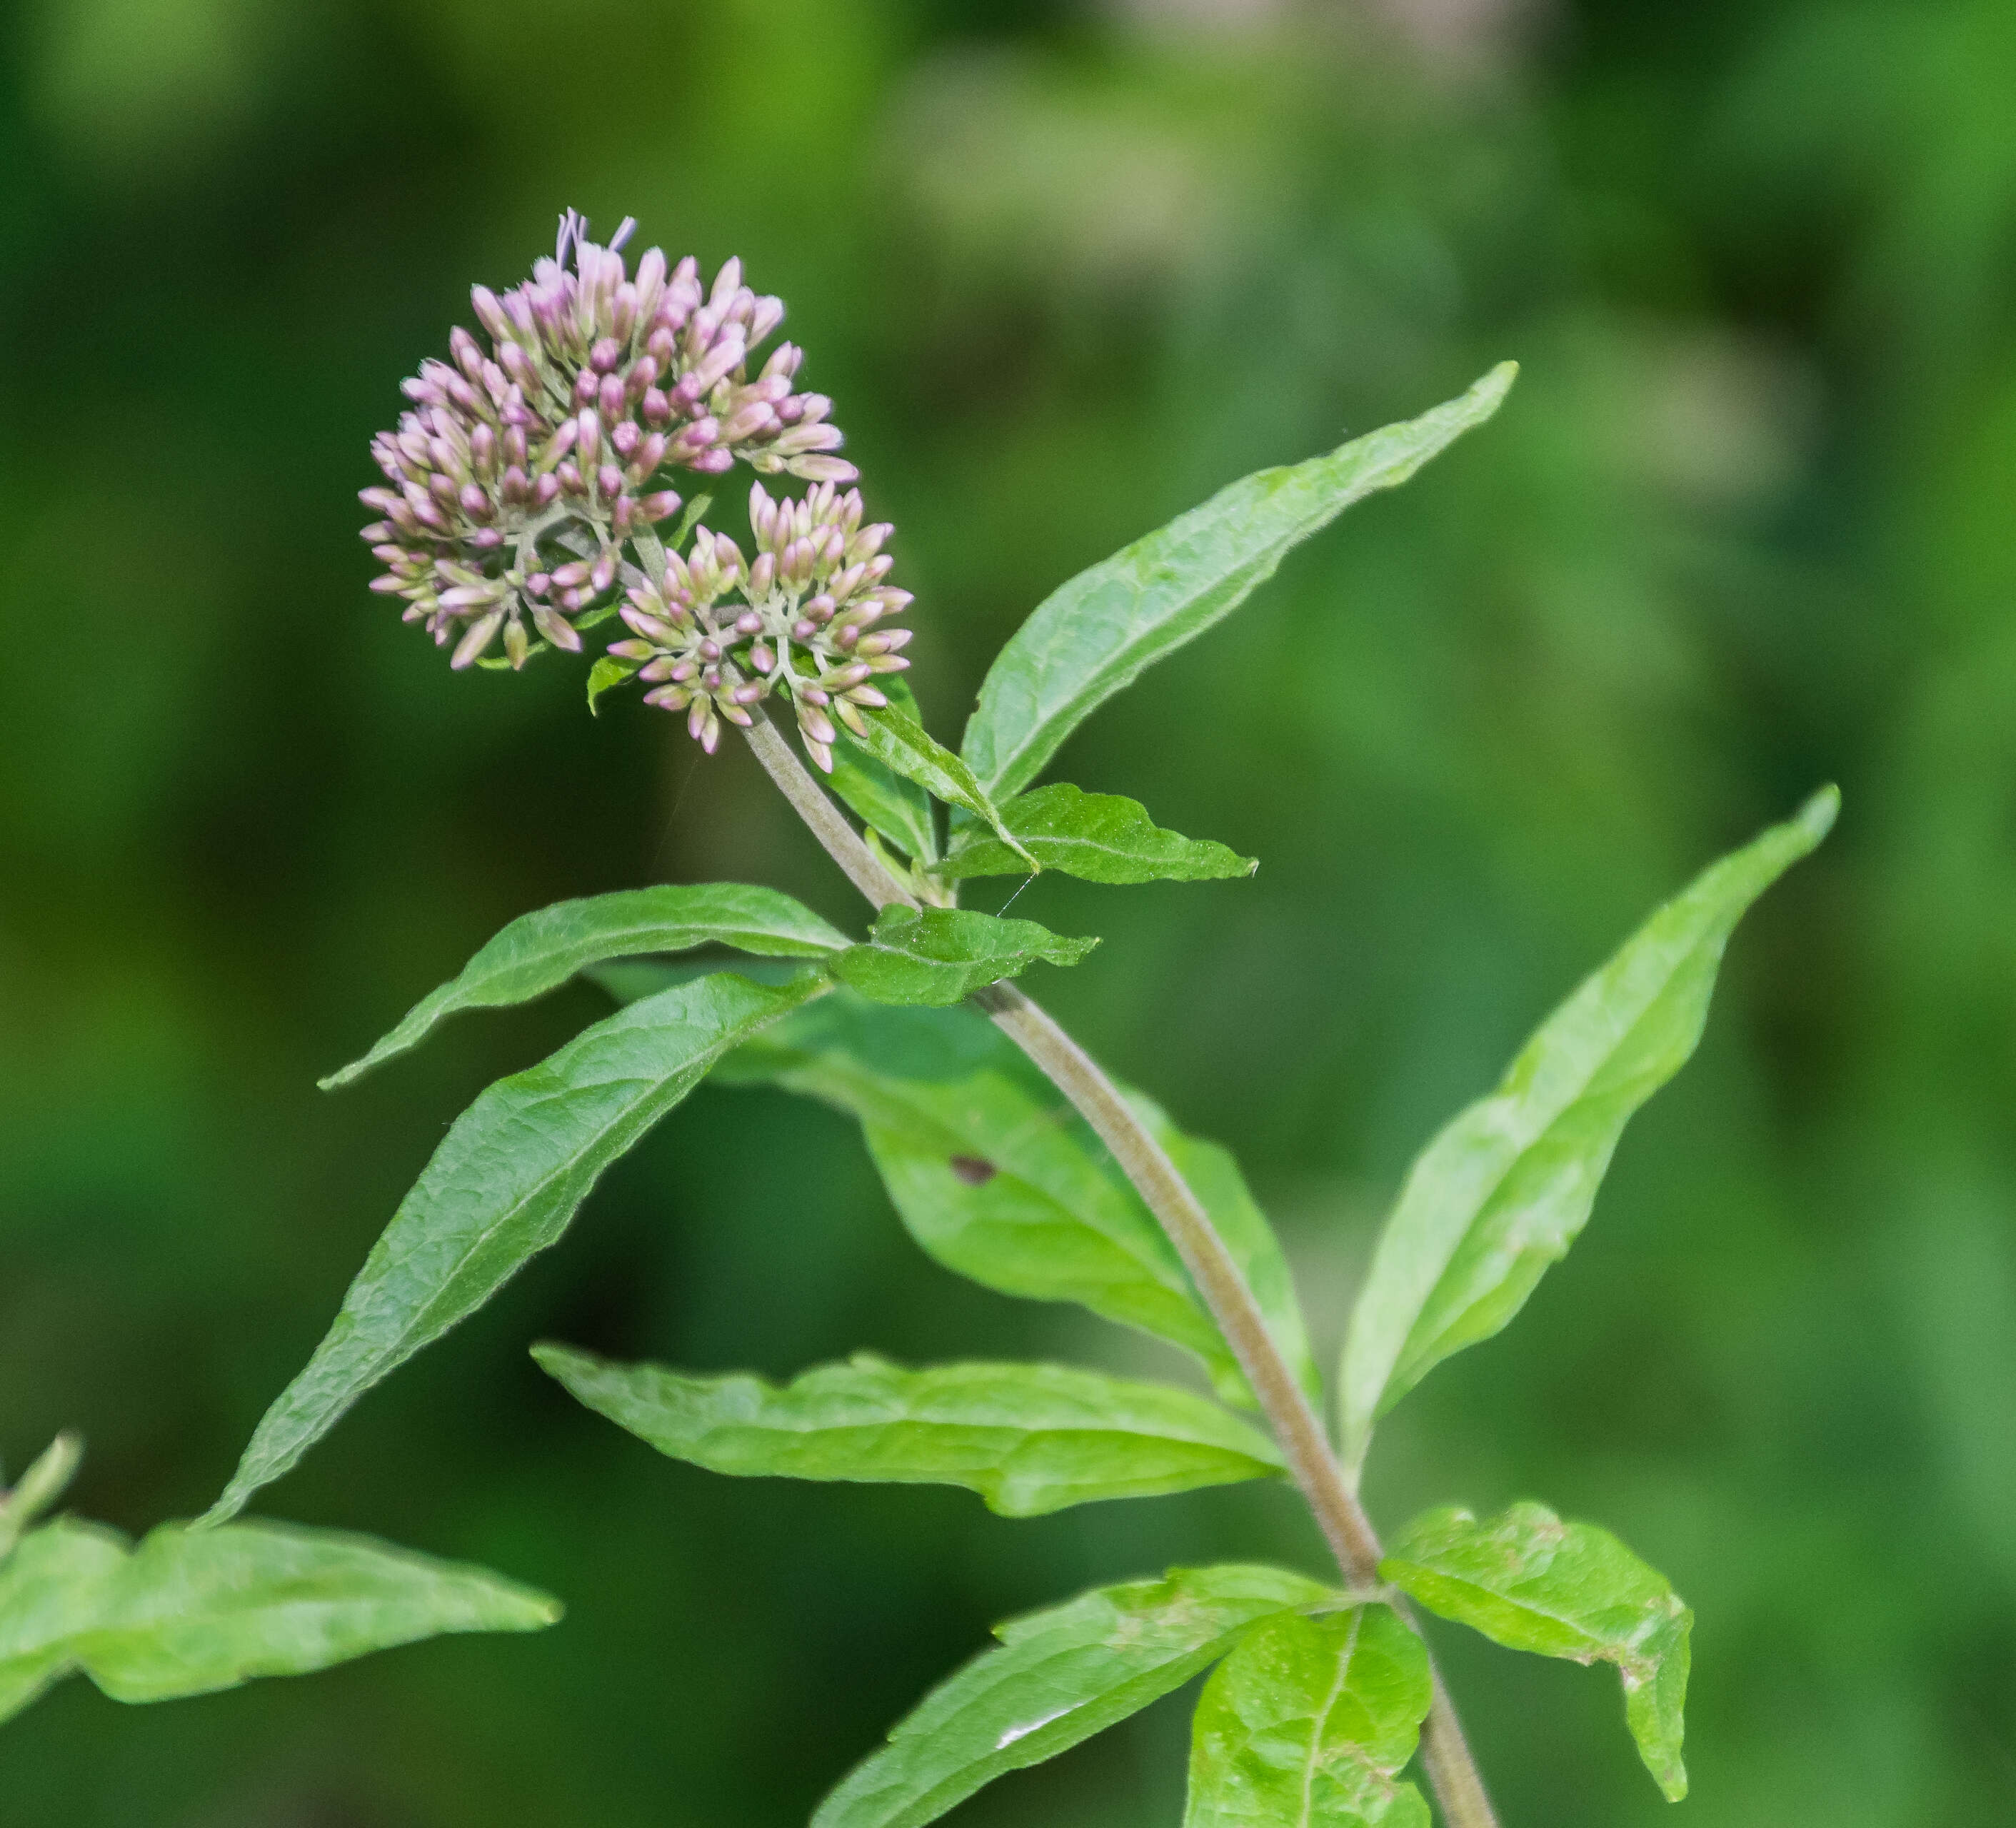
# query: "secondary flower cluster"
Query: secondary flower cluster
{"points": [[514, 481], [716, 635]]}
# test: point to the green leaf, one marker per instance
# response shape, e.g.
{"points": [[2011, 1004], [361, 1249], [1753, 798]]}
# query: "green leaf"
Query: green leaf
{"points": [[606, 675], [938, 955], [1059, 1677], [1097, 633], [195, 1610], [52, 1587], [1029, 1438], [897, 807], [1530, 1582], [539, 952], [505, 1183], [1507, 1186], [190, 1611], [1102, 837], [1307, 1725], [899, 741], [997, 1177]]}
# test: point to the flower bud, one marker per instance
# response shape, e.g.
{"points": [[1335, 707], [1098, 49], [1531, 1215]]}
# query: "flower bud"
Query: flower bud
{"points": [[562, 634], [480, 636], [819, 468], [489, 313]]}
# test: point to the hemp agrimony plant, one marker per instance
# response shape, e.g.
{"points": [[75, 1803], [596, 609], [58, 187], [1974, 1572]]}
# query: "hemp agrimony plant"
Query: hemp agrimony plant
{"points": [[527, 496]]}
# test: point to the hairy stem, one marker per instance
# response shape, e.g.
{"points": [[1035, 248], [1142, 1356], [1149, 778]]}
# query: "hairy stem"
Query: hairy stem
{"points": [[1452, 1771], [864, 869]]}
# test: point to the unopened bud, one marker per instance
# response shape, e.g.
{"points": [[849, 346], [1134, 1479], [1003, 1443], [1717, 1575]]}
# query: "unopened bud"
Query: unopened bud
{"points": [[480, 636]]}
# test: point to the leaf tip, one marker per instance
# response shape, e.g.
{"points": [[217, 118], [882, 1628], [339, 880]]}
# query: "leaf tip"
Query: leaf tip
{"points": [[1815, 818]]}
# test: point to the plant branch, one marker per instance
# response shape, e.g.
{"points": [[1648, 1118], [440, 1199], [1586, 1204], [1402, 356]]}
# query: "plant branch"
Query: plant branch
{"points": [[844, 845], [1452, 1771]]}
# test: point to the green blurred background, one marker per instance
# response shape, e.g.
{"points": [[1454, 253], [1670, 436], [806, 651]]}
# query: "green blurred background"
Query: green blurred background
{"points": [[1745, 526]]}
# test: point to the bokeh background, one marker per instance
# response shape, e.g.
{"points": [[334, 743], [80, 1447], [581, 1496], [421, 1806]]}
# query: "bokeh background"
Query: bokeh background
{"points": [[1745, 526]]}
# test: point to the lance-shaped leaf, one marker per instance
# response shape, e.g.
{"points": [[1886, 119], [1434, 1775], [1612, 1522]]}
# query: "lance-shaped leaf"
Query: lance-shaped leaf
{"points": [[1529, 1581], [996, 1175], [540, 951], [193, 1610], [52, 1588], [190, 1611], [1506, 1187], [897, 807], [1102, 837], [938, 955], [1059, 1677], [1029, 1438], [505, 1183], [1308, 1723], [1097, 633], [897, 740]]}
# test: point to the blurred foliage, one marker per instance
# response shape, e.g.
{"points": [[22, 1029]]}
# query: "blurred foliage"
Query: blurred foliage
{"points": [[1744, 527]]}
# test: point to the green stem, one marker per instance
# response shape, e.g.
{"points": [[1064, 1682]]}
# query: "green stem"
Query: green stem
{"points": [[1452, 1771]]}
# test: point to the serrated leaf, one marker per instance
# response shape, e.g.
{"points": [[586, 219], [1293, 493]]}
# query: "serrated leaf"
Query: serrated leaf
{"points": [[504, 1184], [540, 951], [994, 1174], [190, 1611], [1030, 1439], [1059, 1677], [52, 1587], [1308, 1723], [606, 675], [899, 741], [1507, 1186], [899, 808], [1102, 837], [1530, 1582], [939, 956], [194, 1611], [1095, 634]]}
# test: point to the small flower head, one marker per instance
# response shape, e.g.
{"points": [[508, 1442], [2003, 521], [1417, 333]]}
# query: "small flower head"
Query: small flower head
{"points": [[519, 474], [716, 634]]}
